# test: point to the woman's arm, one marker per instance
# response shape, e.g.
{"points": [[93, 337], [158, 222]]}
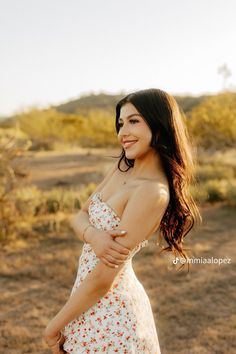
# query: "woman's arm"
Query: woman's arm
{"points": [[141, 222], [88, 294], [103, 243], [81, 219], [78, 223]]}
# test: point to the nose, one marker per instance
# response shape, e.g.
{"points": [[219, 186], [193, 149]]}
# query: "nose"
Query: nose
{"points": [[124, 130]]}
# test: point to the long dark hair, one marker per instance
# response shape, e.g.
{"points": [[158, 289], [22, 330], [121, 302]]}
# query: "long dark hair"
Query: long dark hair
{"points": [[171, 140]]}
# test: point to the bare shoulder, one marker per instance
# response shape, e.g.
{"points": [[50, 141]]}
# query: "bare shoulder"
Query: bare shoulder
{"points": [[141, 218], [152, 191]]}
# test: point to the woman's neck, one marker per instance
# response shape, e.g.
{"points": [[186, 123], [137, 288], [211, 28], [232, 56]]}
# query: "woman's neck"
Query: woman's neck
{"points": [[148, 166]]}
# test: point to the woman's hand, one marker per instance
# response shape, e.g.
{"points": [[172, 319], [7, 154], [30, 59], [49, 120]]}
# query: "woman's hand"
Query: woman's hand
{"points": [[55, 342], [106, 248]]}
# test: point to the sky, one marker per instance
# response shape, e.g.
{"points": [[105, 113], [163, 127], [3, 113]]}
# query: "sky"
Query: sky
{"points": [[53, 51]]}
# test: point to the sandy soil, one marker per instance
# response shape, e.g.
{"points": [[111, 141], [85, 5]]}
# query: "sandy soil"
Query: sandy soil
{"points": [[68, 169]]}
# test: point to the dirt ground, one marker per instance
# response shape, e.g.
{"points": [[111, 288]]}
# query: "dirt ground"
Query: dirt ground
{"points": [[194, 313], [68, 169]]}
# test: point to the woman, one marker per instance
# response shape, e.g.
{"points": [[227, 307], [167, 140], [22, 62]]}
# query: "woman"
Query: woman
{"points": [[108, 310]]}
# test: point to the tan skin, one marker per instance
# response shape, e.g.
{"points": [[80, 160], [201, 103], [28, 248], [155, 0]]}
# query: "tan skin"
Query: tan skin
{"points": [[115, 193], [147, 167]]}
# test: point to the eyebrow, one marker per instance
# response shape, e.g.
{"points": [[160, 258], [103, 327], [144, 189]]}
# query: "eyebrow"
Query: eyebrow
{"points": [[130, 116]]}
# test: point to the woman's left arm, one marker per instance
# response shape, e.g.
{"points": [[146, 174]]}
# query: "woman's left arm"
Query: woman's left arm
{"points": [[140, 218], [88, 294]]}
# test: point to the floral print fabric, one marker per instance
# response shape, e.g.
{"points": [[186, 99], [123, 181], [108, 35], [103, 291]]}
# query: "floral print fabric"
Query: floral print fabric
{"points": [[122, 321]]}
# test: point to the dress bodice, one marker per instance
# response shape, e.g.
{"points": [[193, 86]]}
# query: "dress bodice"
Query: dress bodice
{"points": [[103, 217]]}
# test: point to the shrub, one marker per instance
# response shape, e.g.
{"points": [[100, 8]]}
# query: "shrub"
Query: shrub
{"points": [[213, 171], [216, 189], [212, 123], [10, 175]]}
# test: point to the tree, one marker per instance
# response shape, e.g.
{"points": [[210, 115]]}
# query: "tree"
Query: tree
{"points": [[226, 73]]}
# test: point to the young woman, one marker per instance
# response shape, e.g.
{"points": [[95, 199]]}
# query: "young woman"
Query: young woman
{"points": [[108, 310]]}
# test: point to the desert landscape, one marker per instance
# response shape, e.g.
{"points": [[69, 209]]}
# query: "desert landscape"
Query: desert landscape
{"points": [[194, 312], [84, 83]]}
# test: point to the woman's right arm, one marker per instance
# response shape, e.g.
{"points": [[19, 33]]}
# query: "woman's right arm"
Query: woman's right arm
{"points": [[105, 247], [81, 219]]}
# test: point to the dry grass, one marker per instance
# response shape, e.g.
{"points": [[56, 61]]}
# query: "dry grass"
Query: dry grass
{"points": [[194, 312]]}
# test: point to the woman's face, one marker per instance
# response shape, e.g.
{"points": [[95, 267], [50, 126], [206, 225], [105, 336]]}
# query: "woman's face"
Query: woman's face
{"points": [[134, 134]]}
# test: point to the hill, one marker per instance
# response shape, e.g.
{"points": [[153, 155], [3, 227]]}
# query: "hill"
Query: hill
{"points": [[103, 101], [108, 102]]}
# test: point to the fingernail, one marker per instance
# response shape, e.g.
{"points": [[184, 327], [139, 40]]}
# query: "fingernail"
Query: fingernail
{"points": [[123, 232]]}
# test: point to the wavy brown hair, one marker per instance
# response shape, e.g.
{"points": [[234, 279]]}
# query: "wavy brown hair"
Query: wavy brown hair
{"points": [[171, 140]]}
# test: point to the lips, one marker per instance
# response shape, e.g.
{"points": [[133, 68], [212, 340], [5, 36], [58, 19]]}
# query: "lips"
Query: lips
{"points": [[129, 143]]}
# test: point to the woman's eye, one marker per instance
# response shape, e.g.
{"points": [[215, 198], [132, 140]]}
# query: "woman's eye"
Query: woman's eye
{"points": [[132, 121]]}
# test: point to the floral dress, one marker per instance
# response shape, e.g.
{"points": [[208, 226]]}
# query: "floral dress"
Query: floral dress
{"points": [[122, 321]]}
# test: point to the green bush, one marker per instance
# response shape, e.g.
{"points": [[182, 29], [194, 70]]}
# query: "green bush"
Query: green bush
{"points": [[11, 150], [212, 123], [47, 128], [213, 171], [199, 193], [87, 191], [216, 190], [27, 199], [31, 201]]}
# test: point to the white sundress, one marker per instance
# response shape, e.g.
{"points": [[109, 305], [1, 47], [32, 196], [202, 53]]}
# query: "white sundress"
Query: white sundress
{"points": [[122, 321]]}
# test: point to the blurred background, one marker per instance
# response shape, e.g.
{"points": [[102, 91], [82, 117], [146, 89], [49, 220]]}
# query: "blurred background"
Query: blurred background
{"points": [[64, 65]]}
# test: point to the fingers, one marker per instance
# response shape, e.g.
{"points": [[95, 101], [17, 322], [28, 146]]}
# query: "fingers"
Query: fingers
{"points": [[115, 255], [115, 233], [113, 259], [116, 246], [57, 348], [107, 263], [119, 249], [57, 351]]}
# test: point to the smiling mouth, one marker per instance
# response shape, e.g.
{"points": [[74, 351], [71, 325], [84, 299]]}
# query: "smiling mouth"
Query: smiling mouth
{"points": [[126, 145]]}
